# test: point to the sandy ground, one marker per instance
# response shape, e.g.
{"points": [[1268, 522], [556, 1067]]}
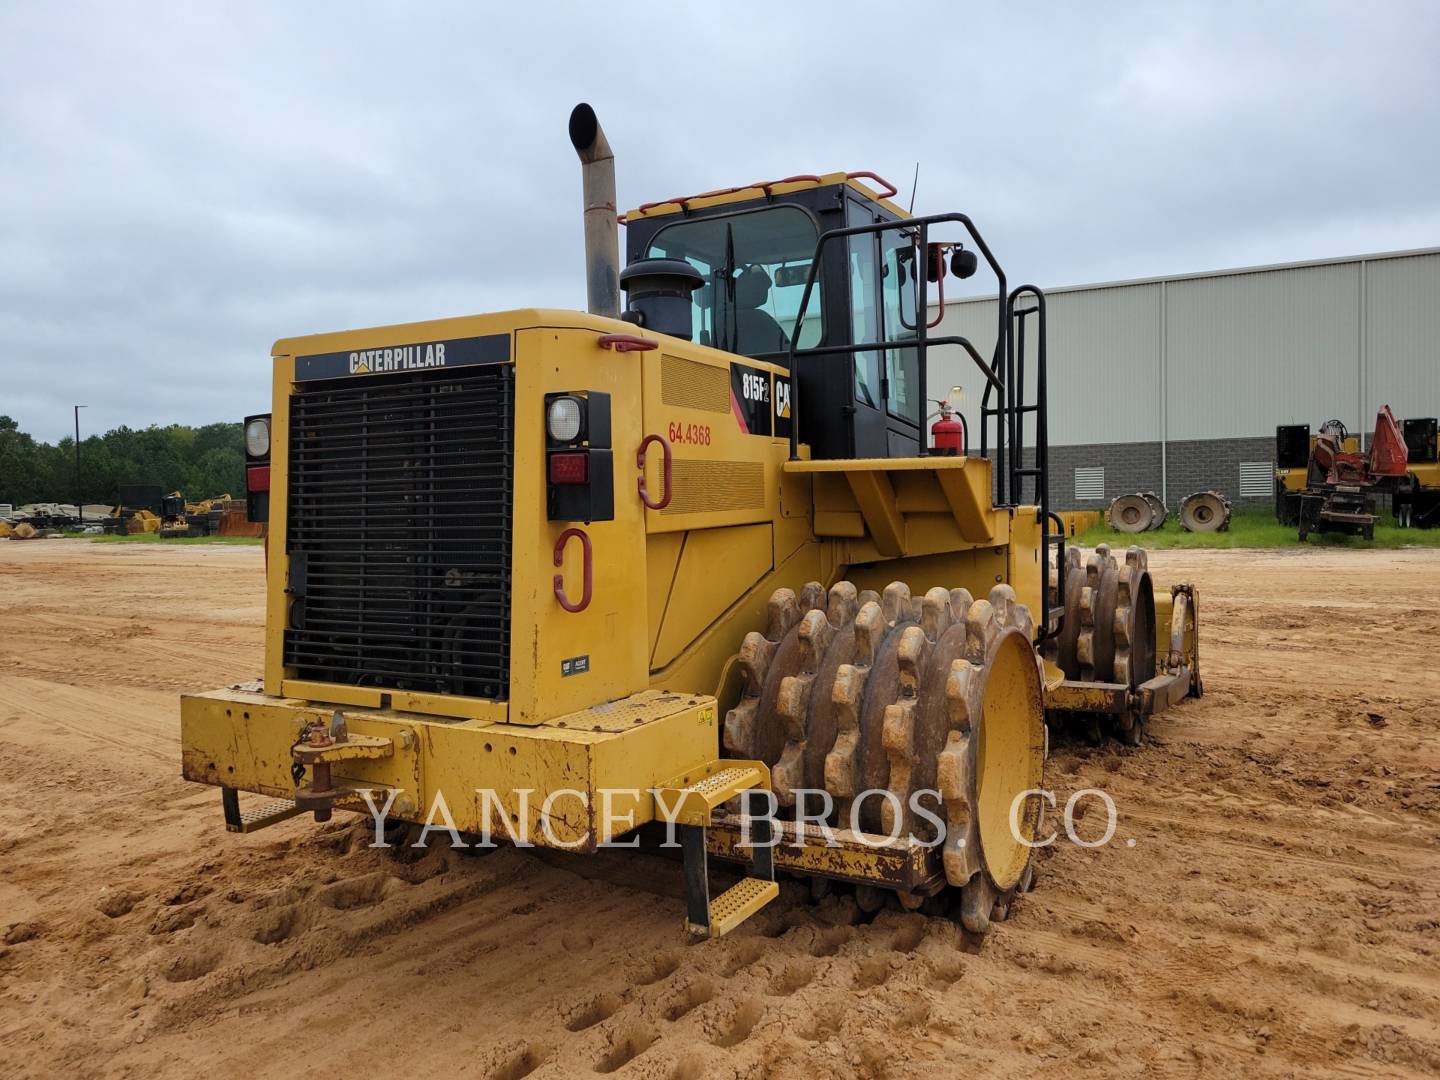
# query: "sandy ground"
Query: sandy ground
{"points": [[1278, 913]]}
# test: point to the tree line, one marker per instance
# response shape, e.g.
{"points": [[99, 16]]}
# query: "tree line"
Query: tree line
{"points": [[202, 462]]}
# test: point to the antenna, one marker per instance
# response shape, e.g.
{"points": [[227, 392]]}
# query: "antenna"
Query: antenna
{"points": [[913, 185]]}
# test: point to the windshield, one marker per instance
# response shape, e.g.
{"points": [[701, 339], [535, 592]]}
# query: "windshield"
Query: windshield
{"points": [[754, 265]]}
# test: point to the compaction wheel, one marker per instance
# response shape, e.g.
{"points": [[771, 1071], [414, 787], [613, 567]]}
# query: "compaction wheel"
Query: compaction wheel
{"points": [[853, 692], [1109, 615]]}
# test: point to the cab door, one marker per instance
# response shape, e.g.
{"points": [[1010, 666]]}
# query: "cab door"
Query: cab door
{"points": [[867, 370], [900, 278]]}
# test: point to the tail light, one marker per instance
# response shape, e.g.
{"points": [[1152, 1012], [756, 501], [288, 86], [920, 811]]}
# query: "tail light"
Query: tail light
{"points": [[257, 467], [579, 464]]}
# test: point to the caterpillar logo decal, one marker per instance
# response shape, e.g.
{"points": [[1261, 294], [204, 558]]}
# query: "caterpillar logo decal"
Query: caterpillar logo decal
{"points": [[750, 399], [423, 356], [782, 406]]}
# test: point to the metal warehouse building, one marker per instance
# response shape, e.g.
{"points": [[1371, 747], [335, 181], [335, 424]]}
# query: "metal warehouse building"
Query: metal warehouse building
{"points": [[1176, 384]]}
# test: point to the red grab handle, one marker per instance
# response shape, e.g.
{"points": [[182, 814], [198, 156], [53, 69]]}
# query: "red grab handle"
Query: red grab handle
{"points": [[587, 570], [655, 504], [628, 343]]}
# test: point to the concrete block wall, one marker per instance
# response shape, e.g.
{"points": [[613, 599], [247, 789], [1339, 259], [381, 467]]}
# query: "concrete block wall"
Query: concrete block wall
{"points": [[1189, 466], [1215, 463]]}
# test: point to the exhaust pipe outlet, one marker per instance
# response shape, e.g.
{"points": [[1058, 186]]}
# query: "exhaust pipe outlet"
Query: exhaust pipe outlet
{"points": [[602, 240]]}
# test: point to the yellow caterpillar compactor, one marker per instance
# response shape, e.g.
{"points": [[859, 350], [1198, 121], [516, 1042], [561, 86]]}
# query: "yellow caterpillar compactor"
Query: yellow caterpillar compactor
{"points": [[556, 576]]}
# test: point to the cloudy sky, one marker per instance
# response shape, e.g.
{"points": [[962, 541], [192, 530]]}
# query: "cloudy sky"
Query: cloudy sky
{"points": [[180, 184]]}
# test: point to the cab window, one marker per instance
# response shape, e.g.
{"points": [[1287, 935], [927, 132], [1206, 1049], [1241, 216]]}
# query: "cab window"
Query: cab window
{"points": [[754, 265], [865, 323], [882, 308], [902, 366]]}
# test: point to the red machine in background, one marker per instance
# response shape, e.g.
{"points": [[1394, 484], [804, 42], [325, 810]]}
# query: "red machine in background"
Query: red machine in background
{"points": [[1341, 484]]}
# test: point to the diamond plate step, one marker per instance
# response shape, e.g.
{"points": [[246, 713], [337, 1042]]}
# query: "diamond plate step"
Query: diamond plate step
{"points": [[736, 904]]}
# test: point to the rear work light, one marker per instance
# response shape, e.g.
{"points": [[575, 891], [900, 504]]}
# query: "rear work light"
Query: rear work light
{"points": [[564, 419], [257, 467], [579, 462], [572, 467]]}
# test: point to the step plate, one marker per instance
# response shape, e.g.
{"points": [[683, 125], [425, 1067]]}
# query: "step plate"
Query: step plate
{"points": [[736, 904], [263, 814], [690, 799]]}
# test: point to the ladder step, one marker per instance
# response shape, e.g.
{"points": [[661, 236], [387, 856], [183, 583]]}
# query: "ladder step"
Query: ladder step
{"points": [[738, 903], [690, 799], [263, 814]]}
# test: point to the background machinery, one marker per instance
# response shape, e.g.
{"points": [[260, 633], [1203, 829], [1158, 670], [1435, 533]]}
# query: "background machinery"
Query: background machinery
{"points": [[1416, 497], [567, 574], [173, 521], [180, 517], [1328, 483]]}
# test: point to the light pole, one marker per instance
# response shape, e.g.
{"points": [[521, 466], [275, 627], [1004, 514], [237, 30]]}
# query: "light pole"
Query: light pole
{"points": [[79, 505]]}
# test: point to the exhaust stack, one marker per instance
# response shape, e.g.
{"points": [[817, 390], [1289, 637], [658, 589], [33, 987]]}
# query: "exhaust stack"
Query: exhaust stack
{"points": [[602, 241]]}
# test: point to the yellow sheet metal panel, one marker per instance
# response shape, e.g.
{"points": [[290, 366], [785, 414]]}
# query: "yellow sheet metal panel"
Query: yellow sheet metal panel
{"points": [[915, 464], [662, 558], [1427, 473], [716, 566], [463, 326], [1291, 479], [277, 563], [561, 660], [717, 413], [1077, 521], [467, 708], [1027, 571], [699, 665], [909, 506], [840, 524], [243, 741], [335, 693], [875, 496], [968, 494], [920, 492]]}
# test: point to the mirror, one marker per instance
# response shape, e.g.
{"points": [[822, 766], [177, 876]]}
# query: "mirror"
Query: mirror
{"points": [[963, 264]]}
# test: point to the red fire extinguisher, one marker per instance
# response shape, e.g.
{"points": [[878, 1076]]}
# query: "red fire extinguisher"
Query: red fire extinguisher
{"points": [[947, 434]]}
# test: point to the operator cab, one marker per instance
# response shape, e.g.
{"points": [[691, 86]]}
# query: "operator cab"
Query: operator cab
{"points": [[753, 249]]}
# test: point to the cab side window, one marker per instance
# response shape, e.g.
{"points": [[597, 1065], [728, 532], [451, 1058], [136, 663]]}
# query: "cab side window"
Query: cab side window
{"points": [[882, 299], [865, 321]]}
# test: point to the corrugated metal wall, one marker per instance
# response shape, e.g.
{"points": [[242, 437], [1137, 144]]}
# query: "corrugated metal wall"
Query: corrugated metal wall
{"points": [[1402, 335], [1228, 355]]}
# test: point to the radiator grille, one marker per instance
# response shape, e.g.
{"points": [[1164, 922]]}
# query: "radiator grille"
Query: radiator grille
{"points": [[702, 486], [398, 531], [693, 385]]}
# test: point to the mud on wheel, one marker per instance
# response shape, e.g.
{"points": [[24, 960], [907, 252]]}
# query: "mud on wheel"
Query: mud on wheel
{"points": [[857, 693]]}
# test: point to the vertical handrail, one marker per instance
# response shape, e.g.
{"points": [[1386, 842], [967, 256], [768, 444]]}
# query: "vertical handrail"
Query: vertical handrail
{"points": [[1041, 470], [922, 325], [994, 375]]}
